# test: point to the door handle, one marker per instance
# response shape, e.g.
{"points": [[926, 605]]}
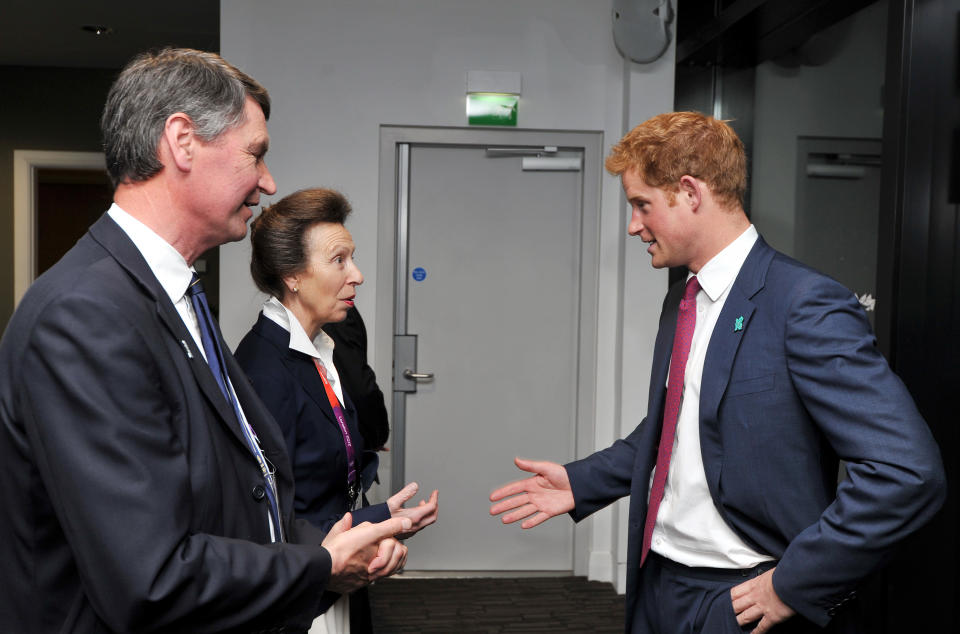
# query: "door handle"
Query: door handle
{"points": [[417, 376]]}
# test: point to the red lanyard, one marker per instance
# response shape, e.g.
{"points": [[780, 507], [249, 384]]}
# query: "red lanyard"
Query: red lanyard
{"points": [[342, 421]]}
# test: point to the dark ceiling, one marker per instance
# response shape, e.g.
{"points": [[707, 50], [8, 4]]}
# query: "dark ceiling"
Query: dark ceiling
{"points": [[50, 33], [744, 33]]}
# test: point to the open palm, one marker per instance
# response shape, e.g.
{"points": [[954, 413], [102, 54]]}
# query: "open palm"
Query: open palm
{"points": [[535, 499]]}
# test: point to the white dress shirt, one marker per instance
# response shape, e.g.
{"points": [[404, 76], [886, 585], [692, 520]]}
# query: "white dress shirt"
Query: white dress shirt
{"points": [[167, 265], [689, 529]]}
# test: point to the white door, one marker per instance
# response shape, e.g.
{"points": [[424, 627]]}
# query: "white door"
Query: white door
{"points": [[490, 284]]}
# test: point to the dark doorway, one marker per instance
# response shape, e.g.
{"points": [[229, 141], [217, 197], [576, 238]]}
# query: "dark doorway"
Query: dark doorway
{"points": [[68, 201]]}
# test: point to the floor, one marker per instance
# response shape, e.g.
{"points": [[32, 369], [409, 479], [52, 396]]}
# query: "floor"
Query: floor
{"points": [[495, 606]]}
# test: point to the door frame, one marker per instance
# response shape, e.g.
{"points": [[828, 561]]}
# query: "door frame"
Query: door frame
{"points": [[25, 166], [391, 195]]}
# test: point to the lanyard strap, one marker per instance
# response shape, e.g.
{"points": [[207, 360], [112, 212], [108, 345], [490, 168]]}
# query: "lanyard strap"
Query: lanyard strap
{"points": [[338, 414]]}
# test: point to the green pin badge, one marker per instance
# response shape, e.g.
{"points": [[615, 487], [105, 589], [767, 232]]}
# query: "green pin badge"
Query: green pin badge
{"points": [[738, 324]]}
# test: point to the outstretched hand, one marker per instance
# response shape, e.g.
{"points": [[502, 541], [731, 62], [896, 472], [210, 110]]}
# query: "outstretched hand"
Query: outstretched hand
{"points": [[535, 499], [420, 516], [359, 555]]}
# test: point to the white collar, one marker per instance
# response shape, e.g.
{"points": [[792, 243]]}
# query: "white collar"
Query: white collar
{"points": [[719, 273], [167, 264], [321, 347]]}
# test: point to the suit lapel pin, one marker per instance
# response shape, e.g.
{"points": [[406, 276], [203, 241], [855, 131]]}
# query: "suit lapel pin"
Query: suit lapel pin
{"points": [[186, 349], [738, 324]]}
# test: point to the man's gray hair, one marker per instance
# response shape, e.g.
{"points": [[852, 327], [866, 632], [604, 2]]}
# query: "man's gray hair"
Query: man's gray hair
{"points": [[155, 85]]}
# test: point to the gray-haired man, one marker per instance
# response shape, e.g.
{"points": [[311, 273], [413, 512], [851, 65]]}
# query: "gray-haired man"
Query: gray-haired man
{"points": [[146, 487]]}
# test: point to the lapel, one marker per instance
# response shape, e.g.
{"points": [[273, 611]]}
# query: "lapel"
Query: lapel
{"points": [[268, 431], [722, 350], [112, 238], [303, 368], [299, 365]]}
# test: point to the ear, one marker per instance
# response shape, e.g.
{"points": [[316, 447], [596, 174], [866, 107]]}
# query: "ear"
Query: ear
{"points": [[691, 191], [292, 283], [179, 141]]}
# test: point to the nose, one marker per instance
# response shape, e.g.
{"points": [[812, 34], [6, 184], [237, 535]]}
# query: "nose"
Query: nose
{"points": [[635, 226], [266, 183], [356, 277]]}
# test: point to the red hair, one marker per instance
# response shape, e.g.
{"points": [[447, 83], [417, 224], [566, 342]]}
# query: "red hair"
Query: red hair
{"points": [[674, 144]]}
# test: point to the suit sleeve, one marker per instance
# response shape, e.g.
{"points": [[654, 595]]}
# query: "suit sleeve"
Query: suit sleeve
{"points": [[603, 477], [374, 514], [103, 433], [895, 480]]}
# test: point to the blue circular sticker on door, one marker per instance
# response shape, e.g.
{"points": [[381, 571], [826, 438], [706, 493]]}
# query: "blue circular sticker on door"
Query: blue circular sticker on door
{"points": [[419, 273]]}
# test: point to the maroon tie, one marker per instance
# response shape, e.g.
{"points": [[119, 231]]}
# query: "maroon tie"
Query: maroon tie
{"points": [[686, 321]]}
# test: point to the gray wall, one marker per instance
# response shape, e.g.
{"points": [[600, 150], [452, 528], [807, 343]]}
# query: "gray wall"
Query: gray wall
{"points": [[841, 98], [42, 109], [339, 69]]}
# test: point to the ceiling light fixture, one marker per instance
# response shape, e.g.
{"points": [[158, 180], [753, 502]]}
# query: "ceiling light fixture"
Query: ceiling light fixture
{"points": [[97, 29]]}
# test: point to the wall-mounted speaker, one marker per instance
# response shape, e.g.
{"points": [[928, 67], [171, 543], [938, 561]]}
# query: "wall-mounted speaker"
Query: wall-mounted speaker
{"points": [[641, 28]]}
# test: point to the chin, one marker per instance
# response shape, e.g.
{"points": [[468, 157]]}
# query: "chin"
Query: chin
{"points": [[239, 231]]}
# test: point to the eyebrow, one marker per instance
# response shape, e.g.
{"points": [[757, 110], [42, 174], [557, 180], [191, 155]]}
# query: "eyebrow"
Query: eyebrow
{"points": [[344, 247], [260, 147]]}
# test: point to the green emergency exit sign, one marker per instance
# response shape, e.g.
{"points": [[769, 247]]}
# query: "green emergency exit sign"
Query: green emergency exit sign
{"points": [[492, 109]]}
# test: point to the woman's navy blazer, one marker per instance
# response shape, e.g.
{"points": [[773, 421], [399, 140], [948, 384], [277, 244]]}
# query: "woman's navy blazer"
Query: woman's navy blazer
{"points": [[288, 382]]}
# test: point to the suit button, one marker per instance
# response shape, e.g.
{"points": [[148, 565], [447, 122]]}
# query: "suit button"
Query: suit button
{"points": [[258, 492], [832, 612]]}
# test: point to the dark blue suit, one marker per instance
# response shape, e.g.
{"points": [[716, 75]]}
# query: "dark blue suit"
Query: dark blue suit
{"points": [[800, 386], [288, 383], [132, 501]]}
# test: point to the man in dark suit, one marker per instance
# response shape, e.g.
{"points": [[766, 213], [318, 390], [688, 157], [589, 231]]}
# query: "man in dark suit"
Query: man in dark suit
{"points": [[765, 373], [146, 487]]}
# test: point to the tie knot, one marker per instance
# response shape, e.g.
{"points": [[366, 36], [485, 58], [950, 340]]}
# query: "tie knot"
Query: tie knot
{"points": [[196, 286]]}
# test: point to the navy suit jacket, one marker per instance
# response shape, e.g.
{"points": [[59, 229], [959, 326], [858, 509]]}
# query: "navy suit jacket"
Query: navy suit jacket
{"points": [[131, 500], [289, 384], [799, 386]]}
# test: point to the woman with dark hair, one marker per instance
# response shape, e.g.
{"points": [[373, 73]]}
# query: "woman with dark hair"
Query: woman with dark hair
{"points": [[303, 259]]}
